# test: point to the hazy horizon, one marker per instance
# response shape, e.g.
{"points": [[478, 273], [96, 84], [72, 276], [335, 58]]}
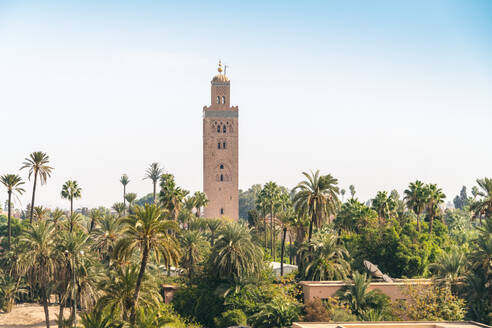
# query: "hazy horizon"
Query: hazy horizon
{"points": [[377, 94]]}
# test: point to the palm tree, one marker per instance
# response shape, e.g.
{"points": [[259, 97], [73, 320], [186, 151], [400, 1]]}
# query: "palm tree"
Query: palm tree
{"points": [[201, 201], [357, 294], [342, 192], [124, 181], [147, 232], [41, 213], [325, 258], [287, 216], [13, 183], [39, 259], [105, 236], [234, 255], [130, 198], [171, 196], [483, 207], [434, 201], [95, 214], [213, 226], [261, 206], [193, 245], [352, 191], [37, 163], [271, 196], [153, 173], [482, 255], [318, 197], [416, 198], [71, 191], [119, 209], [383, 204], [451, 266], [119, 288]]}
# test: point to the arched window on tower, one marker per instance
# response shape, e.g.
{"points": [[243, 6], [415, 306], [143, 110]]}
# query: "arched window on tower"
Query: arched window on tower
{"points": [[218, 128], [221, 166], [224, 129], [221, 177], [218, 99], [224, 145], [218, 145], [223, 99], [221, 211]]}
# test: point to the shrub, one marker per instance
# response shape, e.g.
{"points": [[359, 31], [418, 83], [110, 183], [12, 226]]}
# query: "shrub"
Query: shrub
{"points": [[435, 303], [277, 314], [231, 318], [316, 311]]}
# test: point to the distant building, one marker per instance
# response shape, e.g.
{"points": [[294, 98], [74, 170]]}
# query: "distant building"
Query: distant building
{"points": [[220, 151]]}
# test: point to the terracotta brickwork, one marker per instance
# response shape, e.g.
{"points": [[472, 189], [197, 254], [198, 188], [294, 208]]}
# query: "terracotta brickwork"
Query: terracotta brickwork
{"points": [[220, 151]]}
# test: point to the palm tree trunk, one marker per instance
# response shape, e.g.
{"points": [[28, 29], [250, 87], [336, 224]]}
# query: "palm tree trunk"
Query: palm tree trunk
{"points": [[143, 264], [33, 194], [271, 230], [282, 252], [71, 214], [45, 307], [418, 222], [124, 199], [154, 182], [60, 312], [74, 304], [8, 221], [431, 223], [290, 247], [265, 226]]}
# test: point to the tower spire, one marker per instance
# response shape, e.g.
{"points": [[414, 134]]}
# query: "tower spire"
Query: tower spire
{"points": [[220, 67]]}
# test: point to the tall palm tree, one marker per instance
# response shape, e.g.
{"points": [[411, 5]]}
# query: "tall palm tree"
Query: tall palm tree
{"points": [[318, 197], [124, 181], [13, 183], [153, 173], [146, 232], [71, 191], [37, 163], [234, 255], [261, 206], [434, 200], [416, 198], [201, 201], [56, 216], [325, 258], [271, 194], [483, 206], [482, 255], [342, 192], [40, 259], [287, 216]]}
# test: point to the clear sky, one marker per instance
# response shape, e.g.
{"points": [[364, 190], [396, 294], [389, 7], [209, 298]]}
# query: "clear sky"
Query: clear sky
{"points": [[377, 93]]}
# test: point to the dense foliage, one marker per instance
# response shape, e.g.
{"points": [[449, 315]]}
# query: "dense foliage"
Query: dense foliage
{"points": [[109, 267]]}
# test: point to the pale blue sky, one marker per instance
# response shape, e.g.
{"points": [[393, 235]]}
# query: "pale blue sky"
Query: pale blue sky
{"points": [[377, 93]]}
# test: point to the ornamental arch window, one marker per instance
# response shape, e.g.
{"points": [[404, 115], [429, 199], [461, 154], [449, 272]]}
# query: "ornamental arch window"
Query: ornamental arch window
{"points": [[221, 178], [223, 99], [224, 129], [218, 99], [221, 166], [218, 128], [224, 145]]}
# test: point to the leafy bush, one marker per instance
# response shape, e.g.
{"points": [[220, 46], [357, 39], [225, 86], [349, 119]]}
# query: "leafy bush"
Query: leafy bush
{"points": [[435, 303], [316, 311], [276, 314], [231, 318]]}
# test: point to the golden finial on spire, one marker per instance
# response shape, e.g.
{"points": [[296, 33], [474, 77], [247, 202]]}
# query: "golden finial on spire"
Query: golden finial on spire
{"points": [[220, 67]]}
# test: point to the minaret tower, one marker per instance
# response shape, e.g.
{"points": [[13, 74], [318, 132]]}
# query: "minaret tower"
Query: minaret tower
{"points": [[220, 151]]}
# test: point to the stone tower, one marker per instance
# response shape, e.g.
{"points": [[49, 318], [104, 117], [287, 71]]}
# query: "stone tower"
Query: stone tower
{"points": [[220, 151]]}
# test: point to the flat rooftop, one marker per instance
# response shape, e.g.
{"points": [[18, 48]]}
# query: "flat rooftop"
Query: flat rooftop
{"points": [[392, 324]]}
